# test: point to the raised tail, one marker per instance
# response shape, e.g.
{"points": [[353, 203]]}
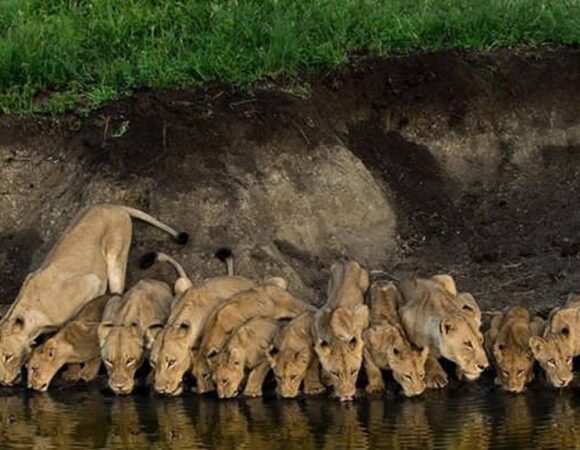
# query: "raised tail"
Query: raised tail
{"points": [[180, 237], [226, 256], [183, 282]]}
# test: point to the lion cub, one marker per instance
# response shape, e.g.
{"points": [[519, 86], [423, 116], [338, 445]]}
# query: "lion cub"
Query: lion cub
{"points": [[338, 327], [245, 351], [293, 359], [129, 328], [76, 344], [90, 256], [434, 315], [387, 346], [269, 300], [558, 346], [507, 341]]}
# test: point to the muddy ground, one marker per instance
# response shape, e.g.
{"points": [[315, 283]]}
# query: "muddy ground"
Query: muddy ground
{"points": [[456, 162]]}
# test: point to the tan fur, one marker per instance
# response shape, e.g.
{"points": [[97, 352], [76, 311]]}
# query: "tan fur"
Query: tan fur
{"points": [[129, 328], [338, 327], [293, 360], [565, 322], [507, 342], [76, 343], [245, 351], [449, 325], [90, 255], [264, 301], [554, 354], [170, 354], [387, 345]]}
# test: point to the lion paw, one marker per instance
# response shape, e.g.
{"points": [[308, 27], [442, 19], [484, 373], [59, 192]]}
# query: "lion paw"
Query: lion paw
{"points": [[253, 392], [375, 388], [314, 390], [436, 380]]}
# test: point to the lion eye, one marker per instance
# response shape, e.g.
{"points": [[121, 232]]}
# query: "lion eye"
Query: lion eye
{"points": [[334, 374], [293, 377], [552, 363], [206, 375], [469, 345], [422, 376], [8, 357], [130, 361], [108, 363], [521, 372], [353, 372], [152, 363], [569, 360], [171, 363], [505, 373], [407, 377]]}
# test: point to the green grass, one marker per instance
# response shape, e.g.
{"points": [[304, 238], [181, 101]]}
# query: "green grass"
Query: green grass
{"points": [[86, 52]]}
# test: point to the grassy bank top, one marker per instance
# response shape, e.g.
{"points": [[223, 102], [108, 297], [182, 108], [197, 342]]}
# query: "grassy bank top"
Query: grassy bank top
{"points": [[57, 55]]}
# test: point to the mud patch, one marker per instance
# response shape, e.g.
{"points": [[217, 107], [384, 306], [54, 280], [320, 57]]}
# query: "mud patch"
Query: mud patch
{"points": [[459, 162]]}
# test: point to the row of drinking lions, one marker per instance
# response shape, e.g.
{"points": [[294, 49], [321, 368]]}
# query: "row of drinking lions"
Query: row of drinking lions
{"points": [[230, 331]]}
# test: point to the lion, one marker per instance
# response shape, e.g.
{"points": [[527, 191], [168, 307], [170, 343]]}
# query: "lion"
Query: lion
{"points": [[268, 300], [90, 256], [507, 342], [434, 315], [129, 328], [387, 346], [75, 345], [338, 327], [293, 360], [554, 354], [170, 356], [245, 351], [3, 310]]}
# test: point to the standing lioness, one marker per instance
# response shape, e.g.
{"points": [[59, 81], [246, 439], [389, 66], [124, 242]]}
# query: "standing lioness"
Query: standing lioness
{"points": [[435, 316], [89, 256]]}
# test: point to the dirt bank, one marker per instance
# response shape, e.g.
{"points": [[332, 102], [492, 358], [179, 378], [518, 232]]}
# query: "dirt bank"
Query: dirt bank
{"points": [[457, 162]]}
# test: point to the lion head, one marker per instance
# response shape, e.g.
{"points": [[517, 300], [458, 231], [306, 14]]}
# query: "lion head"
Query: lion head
{"points": [[290, 367], [554, 354], [123, 350], [202, 371], [44, 363], [171, 358], [15, 348], [390, 348], [462, 343], [339, 345], [229, 371]]}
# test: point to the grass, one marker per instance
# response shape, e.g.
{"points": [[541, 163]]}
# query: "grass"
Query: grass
{"points": [[61, 55]]}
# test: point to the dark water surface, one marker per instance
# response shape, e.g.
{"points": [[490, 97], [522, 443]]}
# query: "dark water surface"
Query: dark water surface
{"points": [[467, 417]]}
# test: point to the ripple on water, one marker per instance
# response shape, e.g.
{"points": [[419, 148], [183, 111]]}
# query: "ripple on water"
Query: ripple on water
{"points": [[466, 417]]}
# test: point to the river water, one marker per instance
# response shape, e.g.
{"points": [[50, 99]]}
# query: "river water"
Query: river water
{"points": [[465, 417]]}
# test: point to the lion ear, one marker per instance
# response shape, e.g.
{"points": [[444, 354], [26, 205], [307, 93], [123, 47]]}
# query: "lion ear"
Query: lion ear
{"points": [[151, 334], [447, 326], [537, 345], [321, 324], [103, 331], [447, 282], [361, 317], [363, 279], [466, 302], [18, 324]]}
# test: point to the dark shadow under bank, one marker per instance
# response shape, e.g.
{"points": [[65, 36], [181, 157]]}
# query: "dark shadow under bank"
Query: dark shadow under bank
{"points": [[467, 416], [476, 158]]}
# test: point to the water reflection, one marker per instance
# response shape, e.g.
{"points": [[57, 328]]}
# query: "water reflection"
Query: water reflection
{"points": [[467, 418]]}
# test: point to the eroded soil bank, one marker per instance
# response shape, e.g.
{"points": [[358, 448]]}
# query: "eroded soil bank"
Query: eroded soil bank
{"points": [[457, 162]]}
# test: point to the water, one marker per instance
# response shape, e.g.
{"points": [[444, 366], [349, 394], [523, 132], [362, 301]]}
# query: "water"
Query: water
{"points": [[466, 417]]}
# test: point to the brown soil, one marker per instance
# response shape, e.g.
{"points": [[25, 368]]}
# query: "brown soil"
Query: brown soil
{"points": [[457, 162]]}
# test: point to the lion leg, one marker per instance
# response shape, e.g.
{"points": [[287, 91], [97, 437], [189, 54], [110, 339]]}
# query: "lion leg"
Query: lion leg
{"points": [[72, 373], [256, 380], [117, 253], [435, 376], [374, 375], [90, 370], [312, 383]]}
